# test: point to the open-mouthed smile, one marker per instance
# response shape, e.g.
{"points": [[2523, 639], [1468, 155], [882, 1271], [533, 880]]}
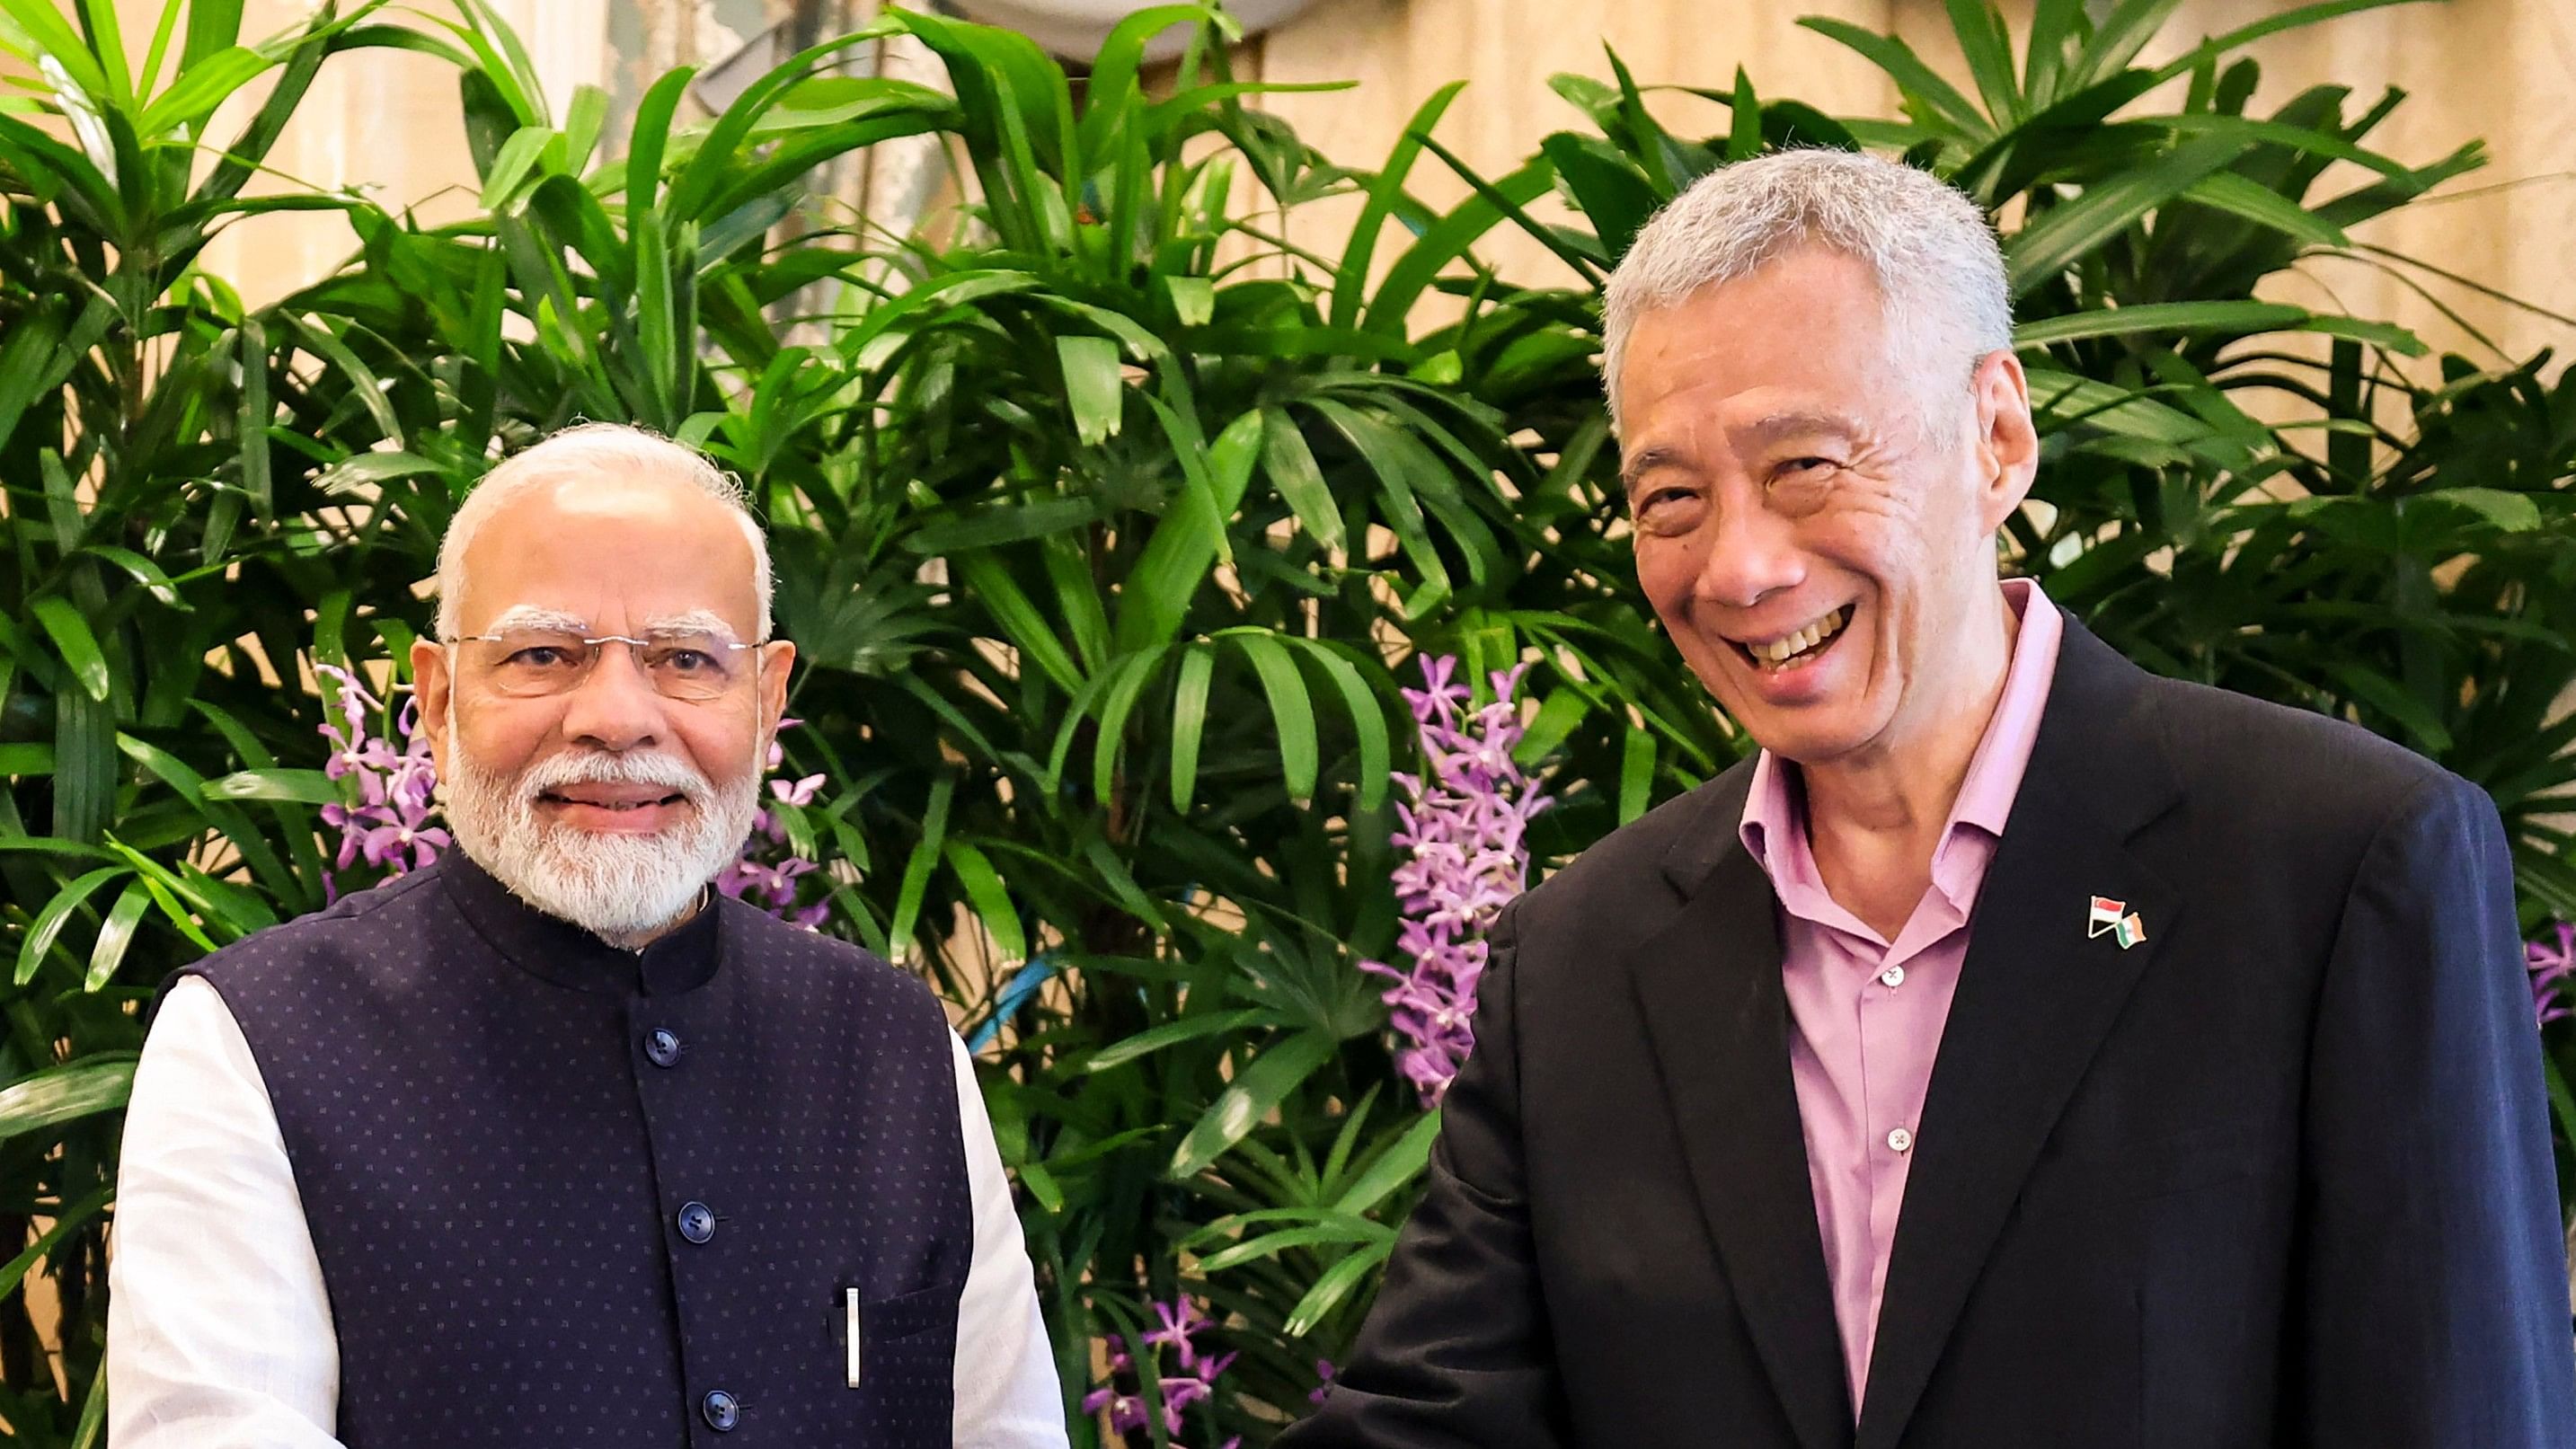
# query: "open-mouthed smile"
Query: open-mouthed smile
{"points": [[1800, 645]]}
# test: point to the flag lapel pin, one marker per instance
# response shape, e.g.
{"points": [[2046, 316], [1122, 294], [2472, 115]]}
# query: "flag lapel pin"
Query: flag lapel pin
{"points": [[2114, 918]]}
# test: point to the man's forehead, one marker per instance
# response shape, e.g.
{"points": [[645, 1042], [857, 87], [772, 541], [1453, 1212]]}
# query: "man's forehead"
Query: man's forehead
{"points": [[613, 554], [601, 495], [1700, 376]]}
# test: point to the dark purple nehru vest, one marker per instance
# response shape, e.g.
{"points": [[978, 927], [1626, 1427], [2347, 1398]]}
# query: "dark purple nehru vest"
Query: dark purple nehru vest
{"points": [[565, 1194]]}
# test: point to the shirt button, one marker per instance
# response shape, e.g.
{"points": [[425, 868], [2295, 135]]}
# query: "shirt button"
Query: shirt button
{"points": [[1892, 977], [662, 1047], [722, 1412], [697, 1222], [1899, 1140]]}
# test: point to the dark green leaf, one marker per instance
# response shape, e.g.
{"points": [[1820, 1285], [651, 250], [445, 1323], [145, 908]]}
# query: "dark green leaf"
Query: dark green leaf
{"points": [[1636, 773], [1988, 49], [1292, 711], [1000, 523], [1095, 389], [1331, 1286], [1291, 467], [1173, 1033], [1376, 759], [308, 787], [1254, 1094], [71, 1220], [1189, 722], [991, 901], [1384, 191], [65, 1093], [511, 167], [115, 934], [1933, 97], [57, 912], [2041, 250], [79, 648]]}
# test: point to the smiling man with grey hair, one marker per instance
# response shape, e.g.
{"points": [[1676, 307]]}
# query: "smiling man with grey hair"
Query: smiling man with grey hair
{"points": [[549, 1143], [2017, 1050]]}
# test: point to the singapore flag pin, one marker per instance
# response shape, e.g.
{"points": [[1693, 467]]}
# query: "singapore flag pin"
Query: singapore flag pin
{"points": [[2116, 918]]}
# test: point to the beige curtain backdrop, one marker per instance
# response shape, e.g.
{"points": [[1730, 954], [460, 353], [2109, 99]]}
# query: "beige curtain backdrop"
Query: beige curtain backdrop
{"points": [[2497, 69], [384, 121]]}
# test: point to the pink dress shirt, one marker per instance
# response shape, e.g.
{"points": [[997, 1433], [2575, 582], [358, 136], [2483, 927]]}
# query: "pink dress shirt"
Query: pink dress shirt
{"points": [[1866, 1013]]}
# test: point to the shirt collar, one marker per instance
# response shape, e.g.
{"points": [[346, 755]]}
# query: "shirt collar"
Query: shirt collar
{"points": [[553, 949], [1993, 780], [1775, 806]]}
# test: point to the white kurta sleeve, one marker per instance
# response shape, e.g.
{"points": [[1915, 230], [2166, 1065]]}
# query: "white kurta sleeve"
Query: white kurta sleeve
{"points": [[218, 1326], [1008, 1396]]}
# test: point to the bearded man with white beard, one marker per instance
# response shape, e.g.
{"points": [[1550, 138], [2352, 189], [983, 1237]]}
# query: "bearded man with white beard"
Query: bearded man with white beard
{"points": [[548, 1143]]}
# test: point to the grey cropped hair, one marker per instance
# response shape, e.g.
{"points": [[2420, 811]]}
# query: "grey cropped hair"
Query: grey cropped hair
{"points": [[1939, 270], [589, 448]]}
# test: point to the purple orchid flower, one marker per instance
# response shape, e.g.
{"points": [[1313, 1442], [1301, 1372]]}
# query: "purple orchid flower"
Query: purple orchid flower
{"points": [[388, 827], [1176, 1325], [768, 869], [1464, 823], [2550, 965]]}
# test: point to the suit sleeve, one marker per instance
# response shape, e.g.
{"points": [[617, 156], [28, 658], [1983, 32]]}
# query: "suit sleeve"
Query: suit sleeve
{"points": [[2432, 1288], [1455, 1353]]}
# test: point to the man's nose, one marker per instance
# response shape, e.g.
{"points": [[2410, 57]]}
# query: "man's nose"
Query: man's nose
{"points": [[1752, 553], [614, 707]]}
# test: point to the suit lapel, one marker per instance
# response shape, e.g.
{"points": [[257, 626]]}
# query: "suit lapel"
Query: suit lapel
{"points": [[2037, 995], [1718, 1020]]}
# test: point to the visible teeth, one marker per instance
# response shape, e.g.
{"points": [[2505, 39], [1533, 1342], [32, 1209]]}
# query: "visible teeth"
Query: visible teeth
{"points": [[1780, 651]]}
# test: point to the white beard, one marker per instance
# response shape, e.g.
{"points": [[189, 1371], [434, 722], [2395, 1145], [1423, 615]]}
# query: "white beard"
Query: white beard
{"points": [[621, 888]]}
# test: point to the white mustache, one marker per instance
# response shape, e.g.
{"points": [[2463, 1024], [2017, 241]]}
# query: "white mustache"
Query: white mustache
{"points": [[599, 768]]}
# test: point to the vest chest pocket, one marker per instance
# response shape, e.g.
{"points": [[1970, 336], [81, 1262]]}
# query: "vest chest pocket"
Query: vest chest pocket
{"points": [[895, 1335]]}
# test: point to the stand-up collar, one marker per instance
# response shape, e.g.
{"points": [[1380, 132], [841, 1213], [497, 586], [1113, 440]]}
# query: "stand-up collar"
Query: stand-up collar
{"points": [[553, 949]]}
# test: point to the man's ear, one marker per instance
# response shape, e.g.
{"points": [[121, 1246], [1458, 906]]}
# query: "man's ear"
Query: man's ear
{"points": [[777, 662], [431, 682], [2007, 441]]}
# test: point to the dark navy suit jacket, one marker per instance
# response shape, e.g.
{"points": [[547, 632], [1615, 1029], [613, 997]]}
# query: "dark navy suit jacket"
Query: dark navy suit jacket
{"points": [[2281, 1175]]}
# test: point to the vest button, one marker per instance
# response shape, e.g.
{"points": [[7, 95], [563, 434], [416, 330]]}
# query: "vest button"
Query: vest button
{"points": [[697, 1224], [662, 1047], [721, 1411]]}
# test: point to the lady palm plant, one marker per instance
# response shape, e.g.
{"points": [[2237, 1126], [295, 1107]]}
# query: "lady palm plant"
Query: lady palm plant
{"points": [[1113, 524]]}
